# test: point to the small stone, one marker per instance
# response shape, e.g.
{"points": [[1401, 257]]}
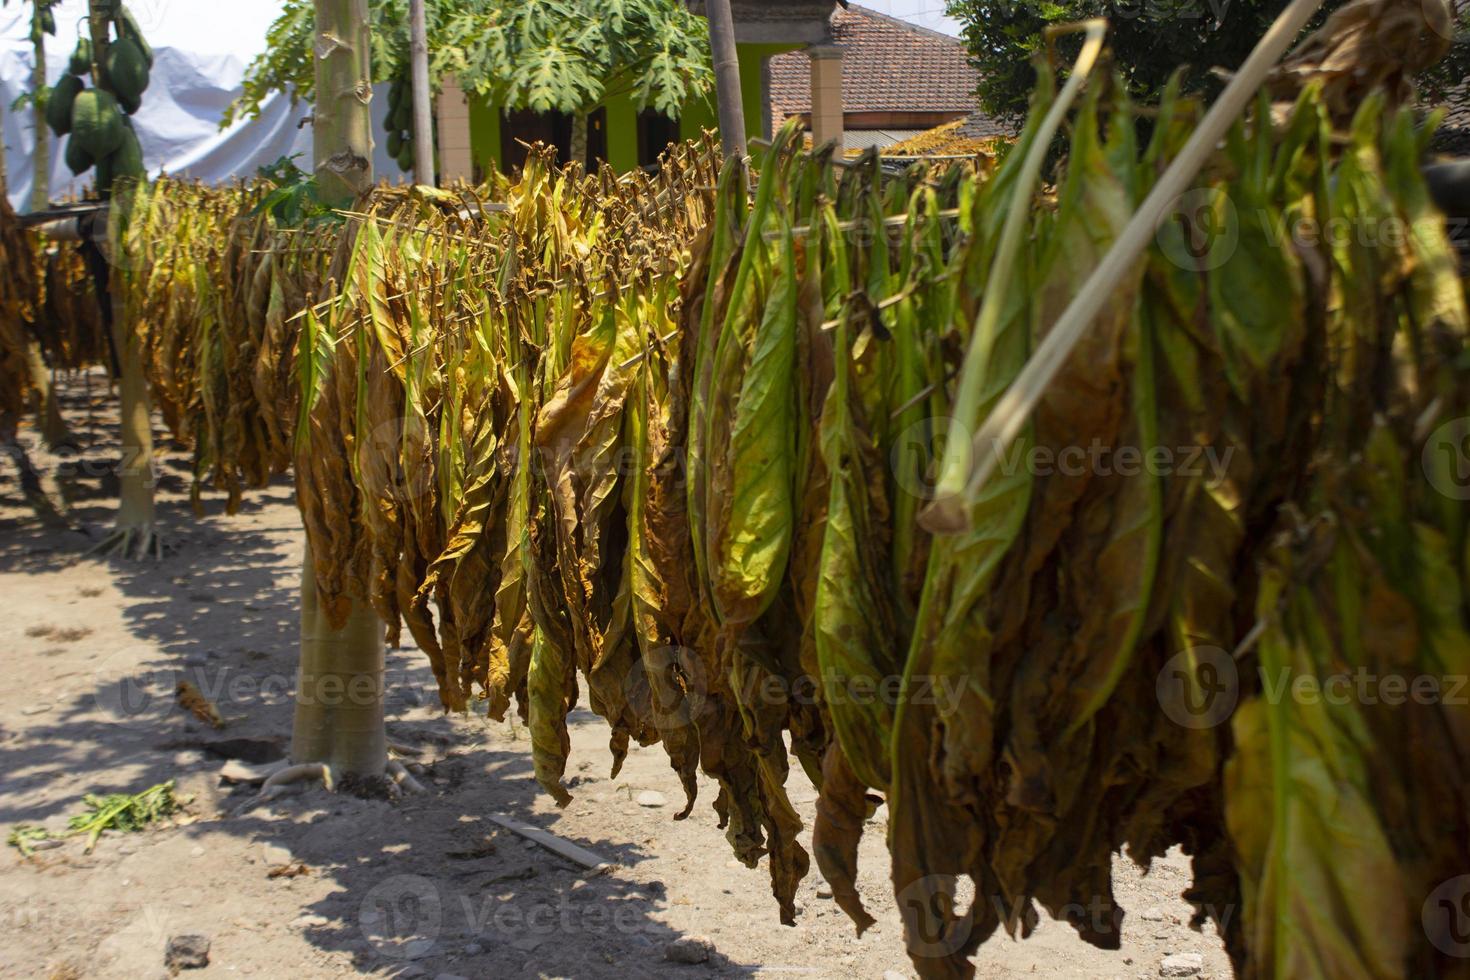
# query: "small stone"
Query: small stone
{"points": [[528, 943], [1182, 965], [893, 975], [531, 845], [689, 949], [824, 890], [652, 799], [473, 949], [186, 952], [275, 856], [196, 852], [35, 709], [307, 921], [1151, 915]]}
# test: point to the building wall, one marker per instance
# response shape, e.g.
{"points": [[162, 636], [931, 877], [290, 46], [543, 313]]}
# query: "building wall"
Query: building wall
{"points": [[622, 114]]}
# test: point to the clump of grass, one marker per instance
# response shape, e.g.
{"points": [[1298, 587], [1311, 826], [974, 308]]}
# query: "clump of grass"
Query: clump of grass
{"points": [[119, 811], [115, 811]]}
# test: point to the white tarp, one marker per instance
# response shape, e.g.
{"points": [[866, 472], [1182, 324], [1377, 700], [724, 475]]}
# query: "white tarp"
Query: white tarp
{"points": [[201, 49]]}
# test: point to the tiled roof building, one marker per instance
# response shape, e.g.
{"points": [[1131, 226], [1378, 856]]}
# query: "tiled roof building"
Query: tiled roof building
{"points": [[898, 79]]}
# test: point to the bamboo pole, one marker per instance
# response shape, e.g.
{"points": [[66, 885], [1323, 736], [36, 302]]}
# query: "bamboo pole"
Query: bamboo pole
{"points": [[962, 482]]}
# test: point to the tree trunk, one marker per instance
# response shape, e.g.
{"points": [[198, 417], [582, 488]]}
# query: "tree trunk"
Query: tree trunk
{"points": [[727, 77], [53, 426], [339, 689], [339, 693], [4, 183], [135, 514], [135, 532], [41, 181], [578, 154], [342, 124], [423, 111]]}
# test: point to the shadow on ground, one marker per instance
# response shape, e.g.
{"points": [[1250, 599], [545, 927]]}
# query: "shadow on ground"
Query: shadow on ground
{"points": [[427, 885]]}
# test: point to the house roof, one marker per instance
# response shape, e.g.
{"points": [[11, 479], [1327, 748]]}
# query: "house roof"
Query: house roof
{"points": [[976, 133], [888, 65]]}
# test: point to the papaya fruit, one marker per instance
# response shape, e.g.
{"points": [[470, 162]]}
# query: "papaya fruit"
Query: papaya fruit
{"points": [[127, 26], [130, 106], [104, 177], [81, 58], [395, 143], [78, 160], [59, 103], [126, 70], [97, 124], [127, 162], [405, 156], [402, 117]]}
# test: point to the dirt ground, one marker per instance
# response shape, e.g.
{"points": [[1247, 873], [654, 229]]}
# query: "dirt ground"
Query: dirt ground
{"points": [[429, 887]]}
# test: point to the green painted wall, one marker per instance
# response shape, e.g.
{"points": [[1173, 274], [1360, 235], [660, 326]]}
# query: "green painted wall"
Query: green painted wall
{"points": [[622, 114]]}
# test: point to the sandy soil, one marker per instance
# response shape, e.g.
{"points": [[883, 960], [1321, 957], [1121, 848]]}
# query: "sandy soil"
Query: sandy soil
{"points": [[429, 887]]}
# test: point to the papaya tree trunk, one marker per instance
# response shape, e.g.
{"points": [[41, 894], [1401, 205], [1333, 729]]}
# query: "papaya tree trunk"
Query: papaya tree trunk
{"points": [[578, 153], [41, 180], [339, 693], [342, 124], [53, 427], [135, 534], [339, 688], [4, 183], [135, 514]]}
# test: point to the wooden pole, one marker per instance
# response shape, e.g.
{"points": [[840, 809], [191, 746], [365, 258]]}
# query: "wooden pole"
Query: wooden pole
{"points": [[727, 77], [423, 112]]}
